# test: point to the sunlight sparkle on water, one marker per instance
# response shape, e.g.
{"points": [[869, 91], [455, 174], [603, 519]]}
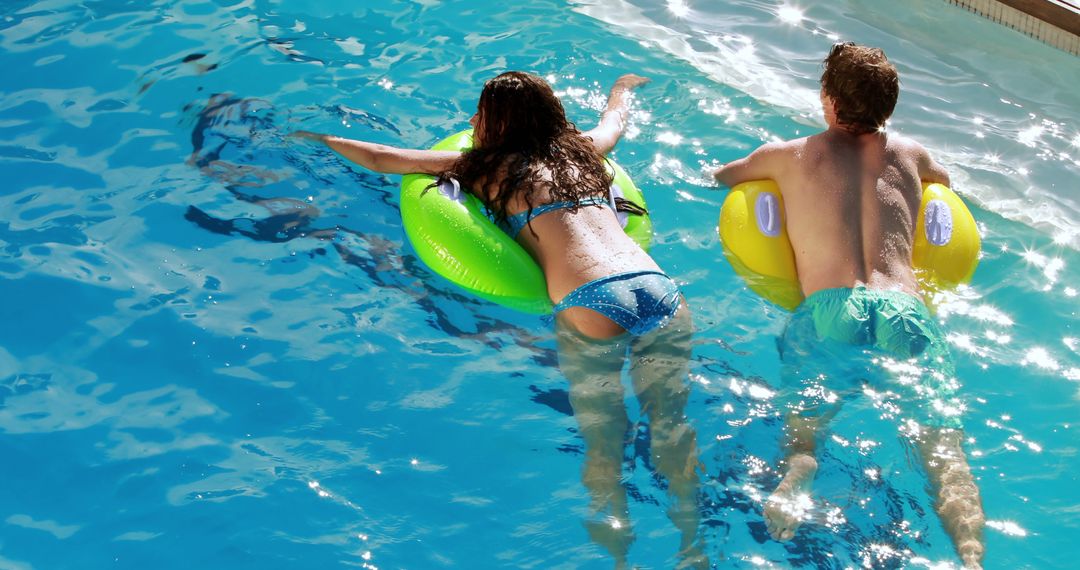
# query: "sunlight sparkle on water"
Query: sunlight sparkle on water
{"points": [[998, 338], [789, 15], [1041, 358], [1028, 137], [314, 486], [755, 391], [577, 93], [1030, 444], [879, 552], [759, 392], [1051, 266], [678, 8], [669, 138], [1008, 527], [755, 465]]}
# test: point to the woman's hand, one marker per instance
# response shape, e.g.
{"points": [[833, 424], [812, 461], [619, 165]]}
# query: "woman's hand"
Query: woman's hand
{"points": [[613, 117], [629, 81], [308, 135]]}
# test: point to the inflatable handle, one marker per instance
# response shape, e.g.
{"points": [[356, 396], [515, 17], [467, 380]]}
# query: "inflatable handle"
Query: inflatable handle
{"points": [[947, 242], [756, 243]]}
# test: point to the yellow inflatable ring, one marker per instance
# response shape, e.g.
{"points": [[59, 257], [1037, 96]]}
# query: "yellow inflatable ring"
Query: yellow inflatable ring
{"points": [[755, 239]]}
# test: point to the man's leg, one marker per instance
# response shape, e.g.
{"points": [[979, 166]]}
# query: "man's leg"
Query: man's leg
{"points": [[786, 508], [912, 334], [956, 496]]}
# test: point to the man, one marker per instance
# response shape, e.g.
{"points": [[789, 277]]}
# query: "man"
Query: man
{"points": [[851, 196]]}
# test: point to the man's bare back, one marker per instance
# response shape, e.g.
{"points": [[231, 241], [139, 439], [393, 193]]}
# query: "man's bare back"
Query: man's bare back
{"points": [[850, 203]]}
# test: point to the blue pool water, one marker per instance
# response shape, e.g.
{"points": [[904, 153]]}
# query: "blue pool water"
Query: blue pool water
{"points": [[218, 351]]}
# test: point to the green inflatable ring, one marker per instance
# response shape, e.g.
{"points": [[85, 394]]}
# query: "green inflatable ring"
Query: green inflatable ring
{"points": [[453, 236]]}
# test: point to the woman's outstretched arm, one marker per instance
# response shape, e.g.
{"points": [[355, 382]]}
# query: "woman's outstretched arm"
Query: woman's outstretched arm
{"points": [[384, 158], [613, 118]]}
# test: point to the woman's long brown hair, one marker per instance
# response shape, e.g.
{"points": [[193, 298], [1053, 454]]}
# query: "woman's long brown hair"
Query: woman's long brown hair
{"points": [[522, 130]]}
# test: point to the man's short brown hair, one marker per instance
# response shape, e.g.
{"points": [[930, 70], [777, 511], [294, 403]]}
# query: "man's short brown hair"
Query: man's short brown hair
{"points": [[862, 84]]}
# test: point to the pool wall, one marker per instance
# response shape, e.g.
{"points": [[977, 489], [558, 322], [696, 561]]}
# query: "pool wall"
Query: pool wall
{"points": [[1053, 22]]}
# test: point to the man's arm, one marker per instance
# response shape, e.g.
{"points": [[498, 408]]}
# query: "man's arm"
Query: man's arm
{"points": [[384, 158], [930, 171], [613, 118], [765, 162], [956, 496]]}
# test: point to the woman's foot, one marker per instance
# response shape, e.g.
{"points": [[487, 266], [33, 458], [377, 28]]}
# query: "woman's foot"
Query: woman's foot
{"points": [[786, 508], [692, 558], [615, 535]]}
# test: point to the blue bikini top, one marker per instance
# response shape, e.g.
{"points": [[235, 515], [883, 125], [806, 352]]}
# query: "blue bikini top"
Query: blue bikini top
{"points": [[517, 222]]}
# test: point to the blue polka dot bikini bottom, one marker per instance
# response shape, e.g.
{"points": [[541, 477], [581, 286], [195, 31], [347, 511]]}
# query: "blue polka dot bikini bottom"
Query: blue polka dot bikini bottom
{"points": [[638, 301]]}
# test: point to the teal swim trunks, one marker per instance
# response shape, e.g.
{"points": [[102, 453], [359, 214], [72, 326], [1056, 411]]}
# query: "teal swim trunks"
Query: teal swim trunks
{"points": [[844, 342]]}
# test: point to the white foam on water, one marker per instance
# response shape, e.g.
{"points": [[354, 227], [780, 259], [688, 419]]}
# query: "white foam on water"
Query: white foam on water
{"points": [[1007, 134], [733, 60]]}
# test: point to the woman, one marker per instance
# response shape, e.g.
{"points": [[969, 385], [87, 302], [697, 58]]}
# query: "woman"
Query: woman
{"points": [[546, 184]]}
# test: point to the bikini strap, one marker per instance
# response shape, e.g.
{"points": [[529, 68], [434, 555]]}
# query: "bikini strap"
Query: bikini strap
{"points": [[517, 222]]}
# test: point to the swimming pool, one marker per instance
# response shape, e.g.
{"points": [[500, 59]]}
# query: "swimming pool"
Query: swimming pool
{"points": [[219, 351]]}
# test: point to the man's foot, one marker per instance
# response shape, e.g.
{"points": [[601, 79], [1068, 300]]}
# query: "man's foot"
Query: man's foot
{"points": [[786, 508]]}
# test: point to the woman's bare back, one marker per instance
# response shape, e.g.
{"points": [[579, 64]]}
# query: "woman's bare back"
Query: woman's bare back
{"points": [[575, 246]]}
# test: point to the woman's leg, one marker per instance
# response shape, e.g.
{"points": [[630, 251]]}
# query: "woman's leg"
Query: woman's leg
{"points": [[594, 369], [659, 365]]}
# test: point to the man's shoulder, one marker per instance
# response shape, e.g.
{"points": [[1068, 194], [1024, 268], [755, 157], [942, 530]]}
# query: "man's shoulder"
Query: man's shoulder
{"points": [[793, 143], [904, 143], [778, 149]]}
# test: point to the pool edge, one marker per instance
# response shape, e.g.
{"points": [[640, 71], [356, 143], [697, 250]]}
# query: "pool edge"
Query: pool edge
{"points": [[1053, 22]]}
